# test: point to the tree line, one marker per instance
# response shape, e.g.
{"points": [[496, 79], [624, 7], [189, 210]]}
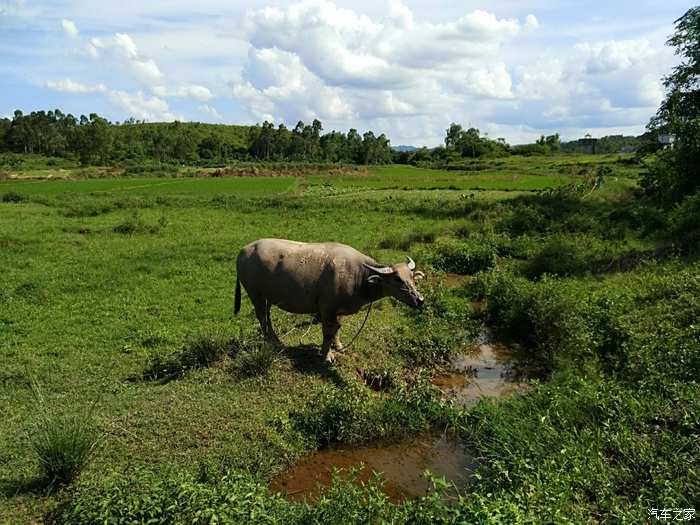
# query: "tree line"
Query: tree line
{"points": [[306, 143], [96, 141]]}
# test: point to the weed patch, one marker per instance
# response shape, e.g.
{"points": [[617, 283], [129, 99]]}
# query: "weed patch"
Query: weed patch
{"points": [[13, 197], [136, 224], [254, 360], [200, 352]]}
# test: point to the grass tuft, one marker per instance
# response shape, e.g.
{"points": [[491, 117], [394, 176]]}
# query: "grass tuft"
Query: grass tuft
{"points": [[254, 360], [199, 352], [136, 224], [63, 445]]}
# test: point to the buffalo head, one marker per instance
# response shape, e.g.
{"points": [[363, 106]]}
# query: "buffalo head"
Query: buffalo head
{"points": [[398, 281]]}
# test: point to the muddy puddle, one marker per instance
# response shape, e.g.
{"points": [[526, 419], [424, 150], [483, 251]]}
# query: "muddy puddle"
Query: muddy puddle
{"points": [[484, 369], [401, 464]]}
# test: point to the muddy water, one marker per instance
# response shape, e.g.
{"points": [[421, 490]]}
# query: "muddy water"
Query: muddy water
{"points": [[486, 369], [401, 464]]}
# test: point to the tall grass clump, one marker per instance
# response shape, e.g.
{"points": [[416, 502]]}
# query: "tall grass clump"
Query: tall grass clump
{"points": [[405, 241], [63, 445], [198, 352], [136, 224], [253, 360]]}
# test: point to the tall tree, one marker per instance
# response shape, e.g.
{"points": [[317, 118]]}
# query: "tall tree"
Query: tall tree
{"points": [[677, 172]]}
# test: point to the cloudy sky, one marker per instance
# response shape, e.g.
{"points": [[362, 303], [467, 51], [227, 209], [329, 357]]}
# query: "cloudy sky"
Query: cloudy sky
{"points": [[512, 68]]}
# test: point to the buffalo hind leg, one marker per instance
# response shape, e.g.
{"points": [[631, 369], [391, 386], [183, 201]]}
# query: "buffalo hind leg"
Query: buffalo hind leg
{"points": [[262, 312], [330, 337]]}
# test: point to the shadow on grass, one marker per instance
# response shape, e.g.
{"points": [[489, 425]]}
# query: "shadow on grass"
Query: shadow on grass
{"points": [[306, 359], [36, 485]]}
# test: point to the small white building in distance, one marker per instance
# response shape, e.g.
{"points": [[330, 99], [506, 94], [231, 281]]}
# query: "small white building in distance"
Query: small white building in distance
{"points": [[666, 139]]}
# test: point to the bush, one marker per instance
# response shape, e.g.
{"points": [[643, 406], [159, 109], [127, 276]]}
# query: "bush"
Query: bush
{"points": [[684, 222], [13, 197], [475, 254], [566, 255], [550, 317], [576, 448], [640, 327], [173, 498], [354, 414], [62, 444]]}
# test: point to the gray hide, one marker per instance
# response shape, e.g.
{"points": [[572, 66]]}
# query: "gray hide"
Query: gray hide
{"points": [[327, 279]]}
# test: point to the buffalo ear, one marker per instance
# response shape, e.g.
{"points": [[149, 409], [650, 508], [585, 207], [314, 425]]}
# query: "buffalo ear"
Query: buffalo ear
{"points": [[374, 278]]}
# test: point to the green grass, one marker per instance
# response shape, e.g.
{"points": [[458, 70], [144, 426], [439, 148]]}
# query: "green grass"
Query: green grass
{"points": [[119, 292], [158, 186]]}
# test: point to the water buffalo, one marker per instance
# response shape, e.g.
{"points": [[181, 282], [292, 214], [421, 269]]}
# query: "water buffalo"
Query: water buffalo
{"points": [[326, 279]]}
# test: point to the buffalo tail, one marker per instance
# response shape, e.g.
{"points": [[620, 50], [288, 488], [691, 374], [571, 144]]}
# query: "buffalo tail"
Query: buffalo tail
{"points": [[237, 300]]}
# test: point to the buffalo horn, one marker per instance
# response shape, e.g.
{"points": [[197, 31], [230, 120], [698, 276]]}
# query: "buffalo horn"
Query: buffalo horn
{"points": [[411, 264]]}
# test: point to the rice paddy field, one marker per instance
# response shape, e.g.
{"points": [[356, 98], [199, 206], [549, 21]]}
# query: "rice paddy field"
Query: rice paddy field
{"points": [[117, 333]]}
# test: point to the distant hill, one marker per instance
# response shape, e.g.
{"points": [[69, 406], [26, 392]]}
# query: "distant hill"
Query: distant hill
{"points": [[403, 148]]}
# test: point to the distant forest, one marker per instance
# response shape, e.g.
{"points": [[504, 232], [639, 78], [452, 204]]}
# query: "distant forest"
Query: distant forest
{"points": [[93, 140]]}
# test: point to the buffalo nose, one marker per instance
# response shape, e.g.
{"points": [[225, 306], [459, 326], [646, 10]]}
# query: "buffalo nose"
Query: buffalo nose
{"points": [[419, 301]]}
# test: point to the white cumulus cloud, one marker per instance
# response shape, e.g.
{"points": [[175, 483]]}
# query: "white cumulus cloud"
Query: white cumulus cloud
{"points": [[122, 48], [196, 92], [69, 86], [211, 112], [316, 58], [142, 106], [69, 28]]}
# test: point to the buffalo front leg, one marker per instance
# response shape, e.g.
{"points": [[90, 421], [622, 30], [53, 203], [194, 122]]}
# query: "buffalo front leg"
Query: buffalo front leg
{"points": [[262, 312], [330, 337]]}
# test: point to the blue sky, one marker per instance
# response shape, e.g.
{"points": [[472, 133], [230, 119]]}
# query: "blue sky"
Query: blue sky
{"points": [[514, 69]]}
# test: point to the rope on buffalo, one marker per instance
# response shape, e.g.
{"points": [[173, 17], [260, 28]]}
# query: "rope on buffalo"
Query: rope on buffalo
{"points": [[369, 309], [345, 347]]}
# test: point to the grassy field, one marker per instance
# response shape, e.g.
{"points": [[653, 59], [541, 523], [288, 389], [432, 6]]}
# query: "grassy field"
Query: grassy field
{"points": [[116, 311]]}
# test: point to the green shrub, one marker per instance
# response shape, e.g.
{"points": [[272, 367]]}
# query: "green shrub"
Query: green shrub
{"points": [[566, 255], [552, 318], [355, 414], [524, 219], [639, 327], [13, 196], [578, 448], [173, 498], [63, 445], [684, 222], [475, 254]]}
